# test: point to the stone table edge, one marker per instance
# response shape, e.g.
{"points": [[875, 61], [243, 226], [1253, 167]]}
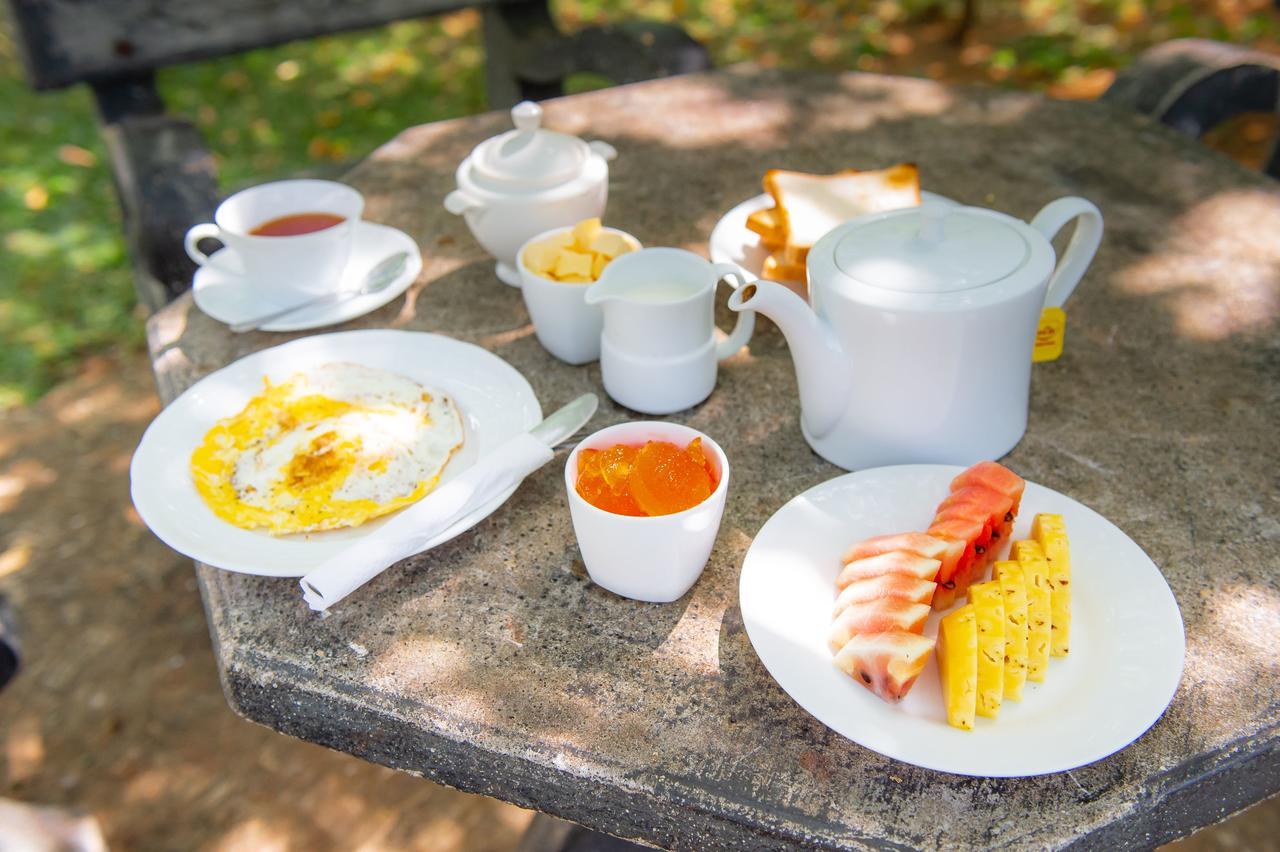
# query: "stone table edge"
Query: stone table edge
{"points": [[510, 777], [1181, 810], [1144, 823]]}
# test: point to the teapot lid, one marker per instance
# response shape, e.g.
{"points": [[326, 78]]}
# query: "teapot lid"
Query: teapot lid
{"points": [[933, 248], [529, 157]]}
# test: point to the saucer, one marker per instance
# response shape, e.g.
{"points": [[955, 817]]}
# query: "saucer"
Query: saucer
{"points": [[733, 242], [224, 293]]}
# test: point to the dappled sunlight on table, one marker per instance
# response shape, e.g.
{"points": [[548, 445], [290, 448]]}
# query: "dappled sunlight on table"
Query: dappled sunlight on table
{"points": [[167, 327], [694, 642], [1230, 644], [760, 120], [1206, 301]]}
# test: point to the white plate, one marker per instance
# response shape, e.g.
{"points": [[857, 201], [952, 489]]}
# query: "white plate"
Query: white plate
{"points": [[1127, 640], [229, 297], [495, 401], [733, 242]]}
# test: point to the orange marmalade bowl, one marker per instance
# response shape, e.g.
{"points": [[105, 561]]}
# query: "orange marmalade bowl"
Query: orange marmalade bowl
{"points": [[655, 478], [651, 558]]}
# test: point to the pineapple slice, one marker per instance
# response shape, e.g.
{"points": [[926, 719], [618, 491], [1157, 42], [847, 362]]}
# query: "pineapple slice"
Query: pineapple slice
{"points": [[1051, 532], [988, 607], [1030, 556], [958, 665], [1013, 587]]}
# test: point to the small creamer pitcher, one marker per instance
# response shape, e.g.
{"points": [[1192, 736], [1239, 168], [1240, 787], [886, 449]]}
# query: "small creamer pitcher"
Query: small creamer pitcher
{"points": [[658, 350]]}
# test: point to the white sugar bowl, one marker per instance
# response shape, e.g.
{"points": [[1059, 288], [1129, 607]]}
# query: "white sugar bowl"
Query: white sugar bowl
{"points": [[520, 183]]}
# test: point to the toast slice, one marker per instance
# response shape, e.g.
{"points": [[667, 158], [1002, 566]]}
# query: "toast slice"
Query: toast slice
{"points": [[808, 206], [768, 225], [776, 269]]}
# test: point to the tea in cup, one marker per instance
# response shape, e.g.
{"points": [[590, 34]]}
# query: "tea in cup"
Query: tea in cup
{"points": [[287, 237], [658, 350]]}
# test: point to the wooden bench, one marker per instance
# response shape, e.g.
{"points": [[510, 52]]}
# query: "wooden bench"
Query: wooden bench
{"points": [[164, 173]]}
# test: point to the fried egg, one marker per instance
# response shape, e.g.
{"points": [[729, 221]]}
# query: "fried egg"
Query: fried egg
{"points": [[332, 447]]}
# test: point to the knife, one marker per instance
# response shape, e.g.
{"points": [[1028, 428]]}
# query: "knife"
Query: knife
{"points": [[566, 421], [417, 527]]}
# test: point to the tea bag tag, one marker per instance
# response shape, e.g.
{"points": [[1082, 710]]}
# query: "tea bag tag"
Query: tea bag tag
{"points": [[1050, 335]]}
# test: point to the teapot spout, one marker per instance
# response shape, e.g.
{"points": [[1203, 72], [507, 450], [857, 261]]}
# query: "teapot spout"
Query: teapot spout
{"points": [[822, 368]]}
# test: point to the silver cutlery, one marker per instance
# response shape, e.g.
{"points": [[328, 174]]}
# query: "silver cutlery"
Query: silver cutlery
{"points": [[375, 281]]}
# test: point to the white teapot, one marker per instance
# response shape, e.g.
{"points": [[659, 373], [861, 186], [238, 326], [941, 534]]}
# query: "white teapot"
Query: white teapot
{"points": [[917, 346], [520, 183]]}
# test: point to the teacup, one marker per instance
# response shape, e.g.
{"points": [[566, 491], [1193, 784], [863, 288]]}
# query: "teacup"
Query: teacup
{"points": [[565, 324], [302, 264], [655, 559]]}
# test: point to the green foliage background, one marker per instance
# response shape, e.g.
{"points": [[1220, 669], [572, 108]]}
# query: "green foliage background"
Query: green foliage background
{"points": [[65, 284]]}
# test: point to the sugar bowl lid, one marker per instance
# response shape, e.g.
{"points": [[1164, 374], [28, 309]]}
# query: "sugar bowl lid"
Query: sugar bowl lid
{"points": [[935, 248], [528, 158]]}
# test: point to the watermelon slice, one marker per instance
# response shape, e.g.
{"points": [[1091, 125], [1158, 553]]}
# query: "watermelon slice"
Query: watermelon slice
{"points": [[986, 501], [880, 616], [970, 533], [899, 586], [946, 551], [970, 512], [997, 477], [894, 562], [885, 663], [976, 538]]}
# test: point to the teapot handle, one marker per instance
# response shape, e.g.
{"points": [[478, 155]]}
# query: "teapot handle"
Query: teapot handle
{"points": [[746, 324], [1080, 251]]}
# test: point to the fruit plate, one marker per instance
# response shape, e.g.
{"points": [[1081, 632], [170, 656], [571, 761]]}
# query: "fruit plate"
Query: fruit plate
{"points": [[1127, 642], [495, 401]]}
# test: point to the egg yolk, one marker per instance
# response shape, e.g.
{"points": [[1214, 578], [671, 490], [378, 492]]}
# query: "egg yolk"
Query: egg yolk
{"points": [[305, 493], [657, 478]]}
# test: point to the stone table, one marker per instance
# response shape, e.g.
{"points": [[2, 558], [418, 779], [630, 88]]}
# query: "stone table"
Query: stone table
{"points": [[493, 665]]}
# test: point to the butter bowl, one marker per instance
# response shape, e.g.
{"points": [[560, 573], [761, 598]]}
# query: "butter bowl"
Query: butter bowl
{"points": [[655, 559], [564, 323]]}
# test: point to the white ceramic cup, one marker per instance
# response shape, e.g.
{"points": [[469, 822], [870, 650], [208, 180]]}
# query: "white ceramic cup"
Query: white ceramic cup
{"points": [[654, 559], [659, 352], [306, 264], [565, 324]]}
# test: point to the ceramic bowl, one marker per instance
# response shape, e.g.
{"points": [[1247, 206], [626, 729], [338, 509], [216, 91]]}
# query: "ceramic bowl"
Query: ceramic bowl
{"points": [[654, 559], [565, 324], [526, 180], [502, 224]]}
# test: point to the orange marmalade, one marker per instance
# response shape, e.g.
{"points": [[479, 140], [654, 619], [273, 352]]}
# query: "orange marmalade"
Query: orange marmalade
{"points": [[658, 478]]}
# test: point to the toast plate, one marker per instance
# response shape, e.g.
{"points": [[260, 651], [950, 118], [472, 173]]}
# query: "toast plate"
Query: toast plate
{"points": [[1127, 642], [495, 401], [733, 242]]}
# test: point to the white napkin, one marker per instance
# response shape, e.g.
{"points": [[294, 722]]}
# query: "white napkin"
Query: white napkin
{"points": [[412, 530]]}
